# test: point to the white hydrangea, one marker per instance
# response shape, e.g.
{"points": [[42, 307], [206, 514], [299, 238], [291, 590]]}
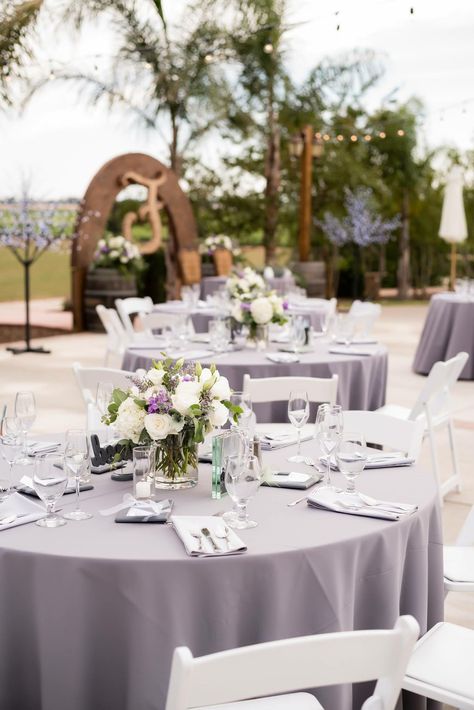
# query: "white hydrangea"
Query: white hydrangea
{"points": [[261, 310], [130, 420], [187, 393]]}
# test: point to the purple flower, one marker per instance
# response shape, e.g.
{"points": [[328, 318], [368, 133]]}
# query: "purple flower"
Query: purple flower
{"points": [[285, 305], [159, 403], [188, 378], [245, 306]]}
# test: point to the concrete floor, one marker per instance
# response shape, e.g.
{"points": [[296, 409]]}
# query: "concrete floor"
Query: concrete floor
{"points": [[59, 401]]}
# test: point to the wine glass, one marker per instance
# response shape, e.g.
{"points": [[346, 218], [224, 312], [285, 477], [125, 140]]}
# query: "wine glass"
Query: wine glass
{"points": [[329, 429], [346, 328], [298, 413], [12, 441], [6, 489], [351, 458], [76, 460], [25, 410], [242, 480], [49, 482], [298, 333], [238, 446], [103, 397], [243, 400]]}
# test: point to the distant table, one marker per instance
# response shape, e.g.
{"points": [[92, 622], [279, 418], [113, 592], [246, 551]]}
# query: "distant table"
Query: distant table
{"points": [[448, 330], [210, 284], [362, 378], [91, 613]]}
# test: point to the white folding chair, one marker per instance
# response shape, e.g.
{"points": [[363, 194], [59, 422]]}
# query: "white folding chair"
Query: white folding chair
{"points": [[88, 378], [390, 432], [459, 559], [433, 408], [365, 314], [117, 338], [127, 307], [158, 321], [277, 389], [441, 667], [251, 678]]}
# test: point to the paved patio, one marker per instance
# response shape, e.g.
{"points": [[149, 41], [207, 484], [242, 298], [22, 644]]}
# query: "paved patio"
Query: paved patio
{"points": [[60, 404]]}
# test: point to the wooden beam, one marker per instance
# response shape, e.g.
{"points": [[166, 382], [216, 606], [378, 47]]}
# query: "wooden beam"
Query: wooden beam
{"points": [[304, 236]]}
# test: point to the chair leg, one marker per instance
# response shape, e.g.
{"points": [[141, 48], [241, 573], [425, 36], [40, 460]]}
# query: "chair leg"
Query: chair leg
{"points": [[454, 456], [434, 459]]}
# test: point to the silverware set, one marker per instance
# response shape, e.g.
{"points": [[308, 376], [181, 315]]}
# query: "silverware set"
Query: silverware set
{"points": [[219, 534]]}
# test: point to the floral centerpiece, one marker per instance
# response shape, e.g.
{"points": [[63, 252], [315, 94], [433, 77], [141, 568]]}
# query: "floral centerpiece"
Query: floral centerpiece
{"points": [[218, 241], [245, 284], [117, 253], [172, 406]]}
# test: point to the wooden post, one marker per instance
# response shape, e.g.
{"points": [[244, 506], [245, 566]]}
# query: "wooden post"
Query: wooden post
{"points": [[304, 236], [452, 278]]}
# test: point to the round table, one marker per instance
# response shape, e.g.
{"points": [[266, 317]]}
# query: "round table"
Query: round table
{"points": [[448, 330], [90, 613], [362, 378]]}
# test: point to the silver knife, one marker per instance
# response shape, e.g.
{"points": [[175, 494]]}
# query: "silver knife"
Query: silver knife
{"points": [[208, 536]]}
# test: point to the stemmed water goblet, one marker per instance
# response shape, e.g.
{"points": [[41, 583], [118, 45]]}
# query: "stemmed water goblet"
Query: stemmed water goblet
{"points": [[76, 460], [49, 482], [298, 414], [243, 400], [25, 411], [12, 442], [242, 479], [351, 458], [329, 427]]}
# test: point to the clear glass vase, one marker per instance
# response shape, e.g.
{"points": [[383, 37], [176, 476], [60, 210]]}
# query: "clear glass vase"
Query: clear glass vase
{"points": [[176, 462], [258, 337]]}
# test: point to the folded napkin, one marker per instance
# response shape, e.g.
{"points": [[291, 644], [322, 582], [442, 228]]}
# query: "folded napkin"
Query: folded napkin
{"points": [[27, 487], [381, 459], [284, 357], [189, 354], [131, 510], [42, 447], [189, 529], [332, 499], [25, 510], [359, 341], [352, 350], [278, 440]]}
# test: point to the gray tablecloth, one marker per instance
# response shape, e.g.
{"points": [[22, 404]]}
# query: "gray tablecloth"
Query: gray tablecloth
{"points": [[90, 613], [448, 330], [362, 378], [210, 284]]}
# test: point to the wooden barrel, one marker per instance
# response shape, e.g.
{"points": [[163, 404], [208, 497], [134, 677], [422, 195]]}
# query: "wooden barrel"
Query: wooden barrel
{"points": [[103, 286], [313, 274], [208, 268]]}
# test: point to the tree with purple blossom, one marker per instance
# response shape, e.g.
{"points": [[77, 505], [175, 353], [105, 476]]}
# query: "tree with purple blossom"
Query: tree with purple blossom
{"points": [[28, 230]]}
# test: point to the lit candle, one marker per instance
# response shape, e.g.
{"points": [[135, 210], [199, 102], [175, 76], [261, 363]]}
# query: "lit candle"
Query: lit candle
{"points": [[142, 489]]}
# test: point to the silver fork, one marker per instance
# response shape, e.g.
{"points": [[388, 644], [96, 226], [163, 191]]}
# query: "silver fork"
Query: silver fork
{"points": [[197, 536]]}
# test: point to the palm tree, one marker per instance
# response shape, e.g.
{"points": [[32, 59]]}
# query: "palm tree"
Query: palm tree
{"points": [[17, 20]]}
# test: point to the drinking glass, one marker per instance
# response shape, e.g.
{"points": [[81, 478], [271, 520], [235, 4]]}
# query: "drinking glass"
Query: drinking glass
{"points": [[242, 480], [218, 335], [103, 397], [6, 489], [329, 426], [298, 333], [142, 482], [351, 457], [244, 423], [76, 460], [238, 446], [25, 410], [345, 328], [12, 441], [49, 482], [298, 413]]}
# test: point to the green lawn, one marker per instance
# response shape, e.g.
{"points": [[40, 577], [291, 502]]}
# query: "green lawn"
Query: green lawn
{"points": [[50, 276]]}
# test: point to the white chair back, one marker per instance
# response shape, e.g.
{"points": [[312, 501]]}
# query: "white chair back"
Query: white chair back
{"points": [[364, 315], [434, 394], [277, 389], [384, 430], [88, 378], [294, 664], [131, 306], [158, 320]]}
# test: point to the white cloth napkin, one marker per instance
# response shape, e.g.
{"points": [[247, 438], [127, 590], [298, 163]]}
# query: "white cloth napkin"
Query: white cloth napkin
{"points": [[381, 459], [189, 354], [331, 499], [138, 507], [282, 357], [352, 350], [278, 440], [26, 509], [189, 527], [359, 341], [42, 447]]}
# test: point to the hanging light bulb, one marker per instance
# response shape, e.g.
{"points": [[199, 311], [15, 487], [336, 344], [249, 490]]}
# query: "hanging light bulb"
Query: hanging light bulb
{"points": [[412, 11], [208, 58], [318, 136], [268, 48], [382, 134], [353, 138], [367, 138], [340, 137], [400, 132], [326, 137]]}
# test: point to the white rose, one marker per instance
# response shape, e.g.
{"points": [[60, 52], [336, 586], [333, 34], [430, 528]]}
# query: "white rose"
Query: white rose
{"points": [[261, 310], [130, 420], [277, 305], [124, 259], [218, 413], [155, 376], [153, 391], [220, 390], [205, 375], [186, 394], [158, 425], [114, 254], [175, 426], [236, 311]]}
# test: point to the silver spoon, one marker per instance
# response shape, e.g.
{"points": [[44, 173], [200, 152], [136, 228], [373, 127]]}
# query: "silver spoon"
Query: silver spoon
{"points": [[222, 533], [197, 536], [8, 519], [298, 500]]}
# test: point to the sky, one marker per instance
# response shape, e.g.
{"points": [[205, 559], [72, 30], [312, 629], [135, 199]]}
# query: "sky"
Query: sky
{"points": [[59, 142]]}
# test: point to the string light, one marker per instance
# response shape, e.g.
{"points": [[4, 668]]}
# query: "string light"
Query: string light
{"points": [[382, 134], [326, 137], [318, 136], [400, 132], [367, 137], [353, 138], [340, 137], [268, 48]]}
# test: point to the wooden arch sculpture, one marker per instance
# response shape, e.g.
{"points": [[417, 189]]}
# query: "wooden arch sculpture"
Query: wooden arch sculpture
{"points": [[98, 202]]}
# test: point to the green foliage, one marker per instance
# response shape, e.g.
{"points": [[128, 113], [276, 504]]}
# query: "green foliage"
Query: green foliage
{"points": [[17, 21]]}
